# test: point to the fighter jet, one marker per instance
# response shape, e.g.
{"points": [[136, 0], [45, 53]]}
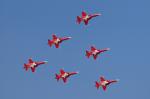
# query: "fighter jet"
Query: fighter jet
{"points": [[95, 52], [104, 83], [64, 75], [56, 40], [86, 17], [32, 64]]}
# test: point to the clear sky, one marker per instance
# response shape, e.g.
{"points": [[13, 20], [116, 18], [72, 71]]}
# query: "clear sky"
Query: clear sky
{"points": [[26, 25]]}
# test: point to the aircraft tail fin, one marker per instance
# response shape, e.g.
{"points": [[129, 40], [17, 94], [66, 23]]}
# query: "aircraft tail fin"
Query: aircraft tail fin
{"points": [[54, 36], [79, 19], [102, 78], [30, 60], [97, 85], [93, 48], [50, 43], [88, 54], [84, 14]]}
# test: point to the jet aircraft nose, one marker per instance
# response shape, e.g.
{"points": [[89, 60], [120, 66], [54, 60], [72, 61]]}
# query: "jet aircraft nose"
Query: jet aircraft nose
{"points": [[46, 61], [117, 79], [69, 37], [107, 48], [99, 14], [77, 72]]}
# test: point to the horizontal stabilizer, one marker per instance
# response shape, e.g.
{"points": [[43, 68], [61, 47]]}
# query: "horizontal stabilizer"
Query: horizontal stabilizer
{"points": [[88, 54], [50, 43], [97, 85], [79, 19], [26, 67], [57, 77]]}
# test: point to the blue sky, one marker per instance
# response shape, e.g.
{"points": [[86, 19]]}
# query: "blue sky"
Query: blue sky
{"points": [[26, 25]]}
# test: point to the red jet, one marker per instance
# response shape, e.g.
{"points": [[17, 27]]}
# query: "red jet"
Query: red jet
{"points": [[104, 83], [95, 52], [64, 75], [56, 40], [85, 17], [33, 65]]}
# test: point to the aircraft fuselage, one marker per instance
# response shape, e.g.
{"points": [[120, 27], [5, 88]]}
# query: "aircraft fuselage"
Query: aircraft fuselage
{"points": [[95, 52], [33, 64], [86, 17], [104, 83], [57, 41], [65, 75]]}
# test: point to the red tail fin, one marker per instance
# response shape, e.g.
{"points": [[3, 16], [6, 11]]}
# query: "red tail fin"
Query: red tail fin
{"points": [[57, 77], [88, 54], [93, 48], [84, 14], [62, 71], [102, 78], [50, 43], [79, 20], [30, 60], [54, 36], [97, 85]]}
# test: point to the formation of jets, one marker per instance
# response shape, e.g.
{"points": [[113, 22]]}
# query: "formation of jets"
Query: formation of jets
{"points": [[56, 41], [65, 75]]}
